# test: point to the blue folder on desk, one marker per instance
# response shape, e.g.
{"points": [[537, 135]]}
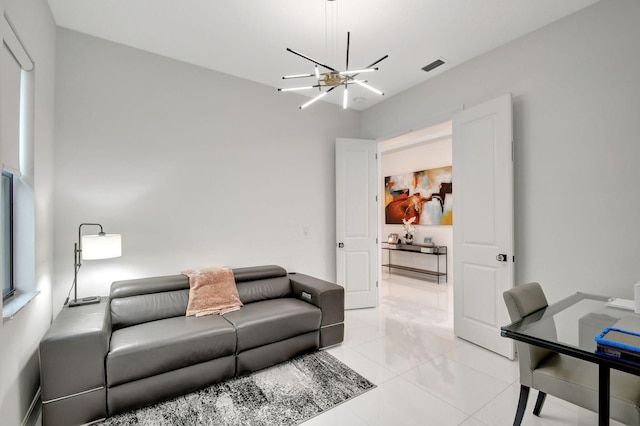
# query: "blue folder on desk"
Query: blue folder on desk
{"points": [[617, 343]]}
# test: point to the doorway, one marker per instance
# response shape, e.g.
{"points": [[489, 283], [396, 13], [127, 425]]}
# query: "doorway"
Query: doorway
{"points": [[483, 235], [428, 148]]}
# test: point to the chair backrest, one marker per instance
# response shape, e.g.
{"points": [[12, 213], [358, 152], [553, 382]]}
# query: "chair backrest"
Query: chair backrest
{"points": [[524, 299], [521, 301]]}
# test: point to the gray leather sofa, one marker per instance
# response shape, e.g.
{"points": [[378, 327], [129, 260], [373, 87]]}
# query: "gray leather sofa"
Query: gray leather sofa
{"points": [[137, 347]]}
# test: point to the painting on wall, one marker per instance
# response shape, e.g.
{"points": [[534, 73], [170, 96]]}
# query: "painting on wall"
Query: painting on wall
{"points": [[426, 195]]}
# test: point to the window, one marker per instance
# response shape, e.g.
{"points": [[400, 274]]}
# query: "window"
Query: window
{"points": [[6, 214], [17, 203]]}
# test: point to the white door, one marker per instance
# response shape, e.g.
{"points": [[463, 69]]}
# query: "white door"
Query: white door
{"points": [[357, 221], [483, 222]]}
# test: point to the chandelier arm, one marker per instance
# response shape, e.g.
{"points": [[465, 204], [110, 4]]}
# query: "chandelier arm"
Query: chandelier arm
{"points": [[371, 88], [293, 89], [322, 94], [373, 64], [354, 72], [288, 77], [378, 61], [352, 81], [348, 42], [312, 60]]}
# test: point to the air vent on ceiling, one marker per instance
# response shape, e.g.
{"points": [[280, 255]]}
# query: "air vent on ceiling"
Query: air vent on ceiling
{"points": [[433, 65]]}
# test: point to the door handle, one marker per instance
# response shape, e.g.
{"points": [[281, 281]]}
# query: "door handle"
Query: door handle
{"points": [[340, 245], [501, 258]]}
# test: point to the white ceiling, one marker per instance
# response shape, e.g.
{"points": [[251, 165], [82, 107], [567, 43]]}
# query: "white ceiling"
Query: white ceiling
{"points": [[247, 38]]}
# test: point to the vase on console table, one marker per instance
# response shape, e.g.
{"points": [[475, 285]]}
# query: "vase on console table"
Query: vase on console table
{"points": [[409, 229]]}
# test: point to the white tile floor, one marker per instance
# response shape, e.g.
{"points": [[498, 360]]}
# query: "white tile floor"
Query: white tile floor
{"points": [[424, 374]]}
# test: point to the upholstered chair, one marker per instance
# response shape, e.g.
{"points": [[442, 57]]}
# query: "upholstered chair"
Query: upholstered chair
{"points": [[563, 376]]}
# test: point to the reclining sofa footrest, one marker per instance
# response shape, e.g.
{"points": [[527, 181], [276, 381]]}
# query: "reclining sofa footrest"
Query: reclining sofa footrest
{"points": [[275, 353], [147, 391]]}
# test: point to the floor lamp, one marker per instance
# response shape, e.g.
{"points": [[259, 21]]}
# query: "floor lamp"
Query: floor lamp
{"points": [[90, 247]]}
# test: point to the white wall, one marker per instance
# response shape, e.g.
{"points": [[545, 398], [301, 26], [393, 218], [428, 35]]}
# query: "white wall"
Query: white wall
{"points": [[410, 159], [576, 105], [193, 167], [19, 337]]}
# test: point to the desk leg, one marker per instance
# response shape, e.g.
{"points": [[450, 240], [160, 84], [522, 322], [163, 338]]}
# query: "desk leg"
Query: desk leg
{"points": [[603, 394]]}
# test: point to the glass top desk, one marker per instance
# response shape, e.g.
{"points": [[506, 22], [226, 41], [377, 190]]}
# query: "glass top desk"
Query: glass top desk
{"points": [[569, 327]]}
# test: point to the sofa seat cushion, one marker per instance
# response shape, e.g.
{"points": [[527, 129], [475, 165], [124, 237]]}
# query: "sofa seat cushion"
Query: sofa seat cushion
{"points": [[156, 347], [270, 321]]}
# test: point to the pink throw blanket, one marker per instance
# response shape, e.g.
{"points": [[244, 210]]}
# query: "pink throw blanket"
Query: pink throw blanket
{"points": [[212, 292]]}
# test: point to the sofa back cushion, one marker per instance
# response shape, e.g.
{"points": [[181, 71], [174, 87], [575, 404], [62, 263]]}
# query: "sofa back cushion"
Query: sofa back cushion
{"points": [[262, 283], [149, 299]]}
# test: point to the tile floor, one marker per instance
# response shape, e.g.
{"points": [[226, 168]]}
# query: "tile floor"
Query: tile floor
{"points": [[424, 374]]}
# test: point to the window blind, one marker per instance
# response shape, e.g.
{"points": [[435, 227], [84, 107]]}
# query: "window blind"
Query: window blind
{"points": [[13, 59]]}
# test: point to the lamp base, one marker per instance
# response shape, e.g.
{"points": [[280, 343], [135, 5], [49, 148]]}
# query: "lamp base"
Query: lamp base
{"points": [[84, 301]]}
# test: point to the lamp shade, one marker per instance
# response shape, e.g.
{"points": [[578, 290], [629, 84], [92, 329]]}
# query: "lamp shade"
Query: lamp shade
{"points": [[102, 246]]}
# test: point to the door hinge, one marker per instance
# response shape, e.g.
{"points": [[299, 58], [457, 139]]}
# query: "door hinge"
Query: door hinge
{"points": [[376, 283], [376, 155], [376, 240], [376, 198], [514, 258]]}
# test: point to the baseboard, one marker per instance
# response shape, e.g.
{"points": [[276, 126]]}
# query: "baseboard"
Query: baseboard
{"points": [[31, 417]]}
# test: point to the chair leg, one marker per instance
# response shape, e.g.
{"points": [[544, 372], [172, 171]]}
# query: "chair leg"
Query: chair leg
{"points": [[522, 405], [539, 403]]}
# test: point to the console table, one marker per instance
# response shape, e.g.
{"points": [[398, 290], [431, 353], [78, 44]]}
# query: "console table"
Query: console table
{"points": [[430, 250]]}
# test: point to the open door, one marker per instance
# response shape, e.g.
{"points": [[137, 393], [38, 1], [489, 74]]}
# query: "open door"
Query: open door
{"points": [[483, 223], [357, 221]]}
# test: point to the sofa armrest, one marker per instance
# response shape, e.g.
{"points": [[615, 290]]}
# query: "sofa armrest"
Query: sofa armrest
{"points": [[72, 355], [329, 297]]}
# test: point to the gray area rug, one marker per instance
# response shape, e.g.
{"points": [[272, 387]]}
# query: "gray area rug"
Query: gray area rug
{"points": [[286, 394]]}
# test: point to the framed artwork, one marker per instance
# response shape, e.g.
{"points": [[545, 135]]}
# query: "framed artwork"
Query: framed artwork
{"points": [[426, 195]]}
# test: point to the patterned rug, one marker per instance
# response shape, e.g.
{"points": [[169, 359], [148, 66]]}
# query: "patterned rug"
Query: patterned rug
{"points": [[286, 394]]}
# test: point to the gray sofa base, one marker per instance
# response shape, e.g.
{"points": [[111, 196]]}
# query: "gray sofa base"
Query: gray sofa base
{"points": [[275, 353], [331, 335], [76, 409], [168, 385]]}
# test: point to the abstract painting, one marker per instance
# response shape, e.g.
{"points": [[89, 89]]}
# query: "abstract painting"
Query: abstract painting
{"points": [[426, 195]]}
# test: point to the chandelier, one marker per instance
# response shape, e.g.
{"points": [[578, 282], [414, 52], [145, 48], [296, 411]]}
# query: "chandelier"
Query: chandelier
{"points": [[329, 78]]}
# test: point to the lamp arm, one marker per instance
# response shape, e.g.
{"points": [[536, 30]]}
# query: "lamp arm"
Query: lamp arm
{"points": [[78, 249], [77, 258], [76, 268]]}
